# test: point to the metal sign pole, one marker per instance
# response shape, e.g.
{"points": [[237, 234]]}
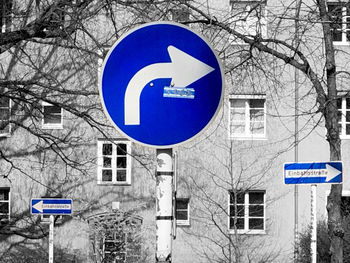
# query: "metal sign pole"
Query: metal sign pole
{"points": [[164, 205], [313, 224], [51, 238]]}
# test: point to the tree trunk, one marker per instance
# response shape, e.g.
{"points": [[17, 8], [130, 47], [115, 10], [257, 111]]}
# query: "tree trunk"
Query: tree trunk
{"points": [[335, 220]]}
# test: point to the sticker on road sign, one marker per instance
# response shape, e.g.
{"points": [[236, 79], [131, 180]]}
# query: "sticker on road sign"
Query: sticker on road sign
{"points": [[167, 90], [183, 93]]}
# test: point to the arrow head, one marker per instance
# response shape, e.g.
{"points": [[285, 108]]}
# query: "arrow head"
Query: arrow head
{"points": [[331, 172], [186, 69], [39, 206]]}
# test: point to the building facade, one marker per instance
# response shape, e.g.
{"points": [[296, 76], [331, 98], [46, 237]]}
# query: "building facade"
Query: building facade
{"points": [[230, 204]]}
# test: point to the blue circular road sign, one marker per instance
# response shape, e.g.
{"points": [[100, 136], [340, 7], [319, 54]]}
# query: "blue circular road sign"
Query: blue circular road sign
{"points": [[161, 84]]}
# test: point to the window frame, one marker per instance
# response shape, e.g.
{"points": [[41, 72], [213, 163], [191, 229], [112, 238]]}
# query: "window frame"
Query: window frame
{"points": [[344, 16], [343, 122], [7, 133], [247, 135], [114, 240], [262, 20], [246, 217], [180, 222], [54, 126], [6, 16], [6, 201], [113, 167]]}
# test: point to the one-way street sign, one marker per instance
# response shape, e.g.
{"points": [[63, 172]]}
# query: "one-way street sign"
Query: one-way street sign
{"points": [[313, 173], [47, 206]]}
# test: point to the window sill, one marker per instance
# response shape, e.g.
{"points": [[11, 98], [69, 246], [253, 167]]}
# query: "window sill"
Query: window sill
{"points": [[344, 137], [8, 134], [102, 183], [338, 43], [52, 127], [182, 223], [248, 232], [247, 138]]}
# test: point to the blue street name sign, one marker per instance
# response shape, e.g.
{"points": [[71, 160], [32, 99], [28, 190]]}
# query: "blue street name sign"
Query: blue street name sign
{"points": [[313, 173], [161, 84], [47, 206]]}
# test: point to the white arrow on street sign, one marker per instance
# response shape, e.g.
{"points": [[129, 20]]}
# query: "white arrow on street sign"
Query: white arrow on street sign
{"points": [[183, 70], [313, 173]]}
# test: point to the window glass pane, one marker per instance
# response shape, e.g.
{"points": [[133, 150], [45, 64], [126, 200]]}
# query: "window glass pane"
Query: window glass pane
{"points": [[237, 103], [337, 35], [345, 205], [4, 208], [237, 128], [257, 127], [121, 149], [256, 210], [52, 109], [52, 114], [238, 115], [347, 116], [4, 113], [107, 149], [339, 115], [107, 175], [109, 258], [239, 223], [256, 223], [181, 203], [239, 212], [4, 102], [121, 162], [347, 129], [256, 115], [339, 102], [256, 198], [181, 215], [121, 175], [107, 162], [110, 246], [4, 194], [256, 103], [240, 197], [340, 128], [348, 103], [347, 24]]}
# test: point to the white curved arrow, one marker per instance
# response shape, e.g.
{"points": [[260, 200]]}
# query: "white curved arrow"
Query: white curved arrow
{"points": [[183, 70]]}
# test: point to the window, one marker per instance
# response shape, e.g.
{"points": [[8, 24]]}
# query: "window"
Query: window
{"points": [[114, 247], [114, 162], [4, 205], [5, 113], [247, 117], [340, 21], [248, 18], [247, 212], [116, 237], [182, 211], [5, 15], [343, 105], [52, 116]]}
